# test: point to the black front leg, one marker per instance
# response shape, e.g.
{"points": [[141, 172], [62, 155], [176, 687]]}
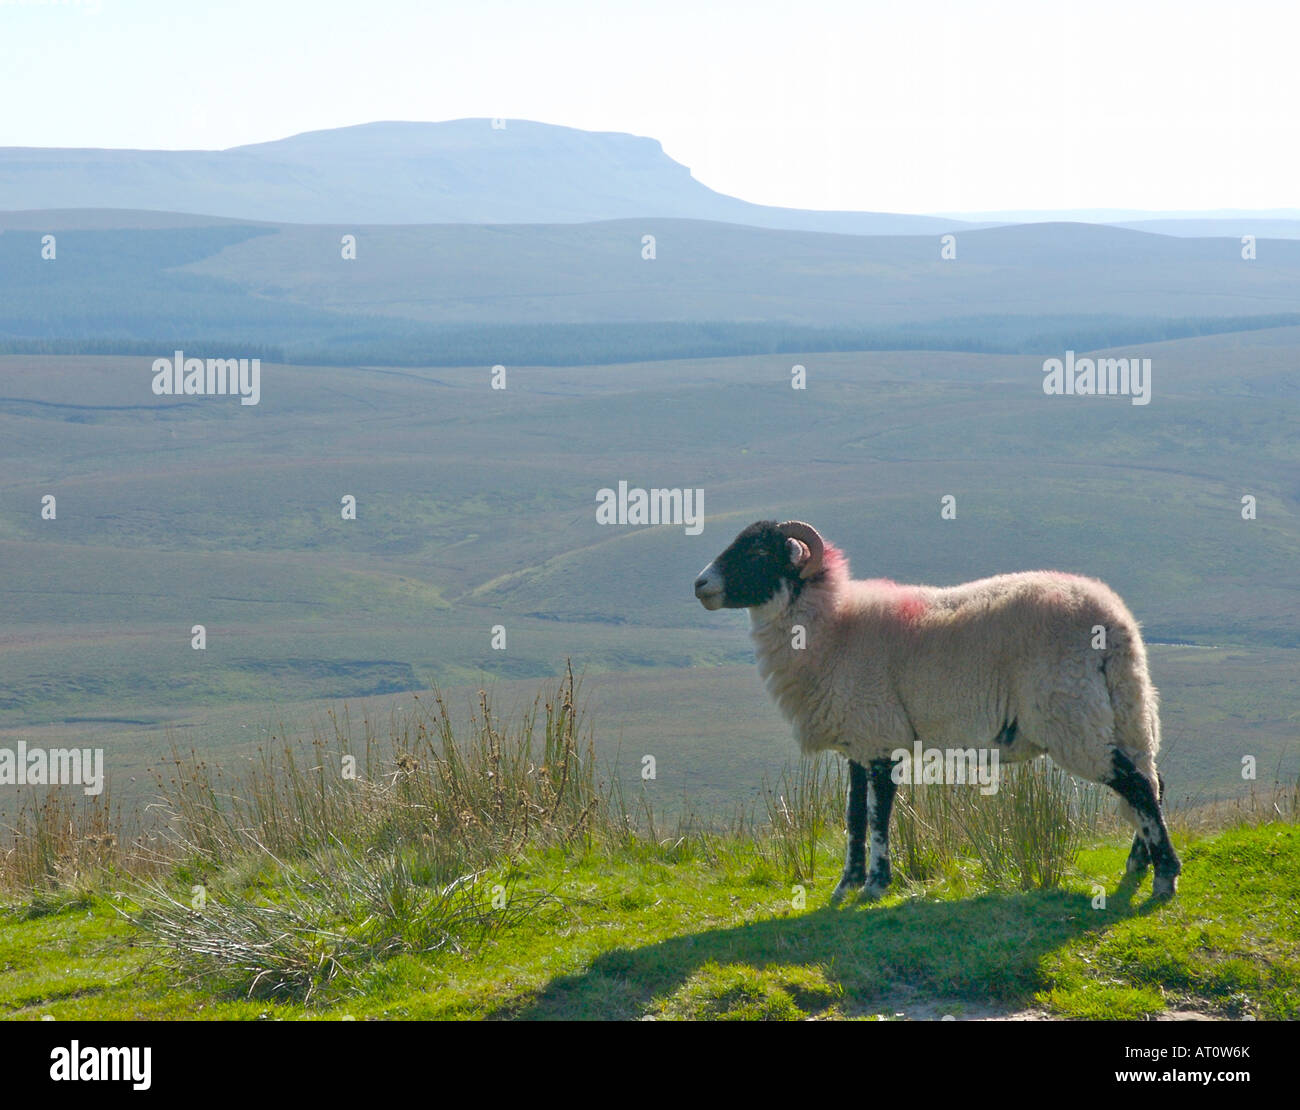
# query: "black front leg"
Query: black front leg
{"points": [[855, 816], [880, 806]]}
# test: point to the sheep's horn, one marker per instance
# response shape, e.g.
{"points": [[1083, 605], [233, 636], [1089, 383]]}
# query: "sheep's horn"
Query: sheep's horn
{"points": [[806, 533]]}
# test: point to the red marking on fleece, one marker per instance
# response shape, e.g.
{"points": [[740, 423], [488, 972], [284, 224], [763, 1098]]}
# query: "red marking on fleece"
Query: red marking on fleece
{"points": [[834, 564], [910, 606]]}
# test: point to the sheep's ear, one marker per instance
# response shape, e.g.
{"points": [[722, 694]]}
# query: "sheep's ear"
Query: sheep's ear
{"points": [[797, 551]]}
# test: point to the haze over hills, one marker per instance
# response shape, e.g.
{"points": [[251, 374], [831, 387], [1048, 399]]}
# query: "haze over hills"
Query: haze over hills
{"points": [[448, 294], [469, 171], [457, 171]]}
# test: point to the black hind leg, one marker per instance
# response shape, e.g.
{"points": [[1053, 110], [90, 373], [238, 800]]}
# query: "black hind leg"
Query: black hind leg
{"points": [[1151, 845], [1139, 859]]}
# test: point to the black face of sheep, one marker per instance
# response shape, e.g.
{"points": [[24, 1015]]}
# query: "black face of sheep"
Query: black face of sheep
{"points": [[765, 558]]}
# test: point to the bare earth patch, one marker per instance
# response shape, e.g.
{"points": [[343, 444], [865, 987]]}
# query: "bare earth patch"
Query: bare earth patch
{"points": [[911, 1007]]}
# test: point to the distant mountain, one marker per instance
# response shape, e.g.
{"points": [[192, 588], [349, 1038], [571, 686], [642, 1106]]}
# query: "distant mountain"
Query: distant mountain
{"points": [[458, 171]]}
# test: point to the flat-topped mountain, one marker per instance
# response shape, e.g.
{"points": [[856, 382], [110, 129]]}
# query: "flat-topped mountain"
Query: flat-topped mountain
{"points": [[457, 171]]}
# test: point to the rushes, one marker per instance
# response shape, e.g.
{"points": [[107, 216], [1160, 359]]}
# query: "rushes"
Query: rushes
{"points": [[474, 792], [926, 838], [66, 843], [480, 799], [1025, 836], [1028, 834], [803, 813]]}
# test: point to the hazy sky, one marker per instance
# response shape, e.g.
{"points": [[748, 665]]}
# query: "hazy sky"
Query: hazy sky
{"points": [[914, 106]]}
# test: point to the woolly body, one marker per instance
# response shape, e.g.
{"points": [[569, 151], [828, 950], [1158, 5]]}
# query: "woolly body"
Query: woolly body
{"points": [[884, 665]]}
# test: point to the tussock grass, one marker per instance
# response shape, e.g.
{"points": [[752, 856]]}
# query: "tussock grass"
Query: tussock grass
{"points": [[329, 920], [1025, 836]]}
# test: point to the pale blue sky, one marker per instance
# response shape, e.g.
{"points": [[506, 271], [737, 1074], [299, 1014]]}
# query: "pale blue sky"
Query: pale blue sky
{"points": [[911, 106]]}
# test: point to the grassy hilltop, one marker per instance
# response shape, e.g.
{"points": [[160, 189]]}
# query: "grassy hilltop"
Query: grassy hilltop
{"points": [[493, 874]]}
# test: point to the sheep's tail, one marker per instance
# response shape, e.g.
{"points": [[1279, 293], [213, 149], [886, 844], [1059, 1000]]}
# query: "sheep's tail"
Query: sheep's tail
{"points": [[1134, 700]]}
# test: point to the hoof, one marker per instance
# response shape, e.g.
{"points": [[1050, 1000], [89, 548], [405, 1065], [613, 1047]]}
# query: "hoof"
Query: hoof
{"points": [[876, 886], [1164, 886], [844, 887]]}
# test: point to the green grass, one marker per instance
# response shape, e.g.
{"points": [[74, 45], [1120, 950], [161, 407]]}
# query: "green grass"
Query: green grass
{"points": [[1229, 944], [673, 933]]}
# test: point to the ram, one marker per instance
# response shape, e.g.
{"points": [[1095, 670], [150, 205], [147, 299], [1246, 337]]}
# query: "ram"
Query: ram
{"points": [[1029, 663]]}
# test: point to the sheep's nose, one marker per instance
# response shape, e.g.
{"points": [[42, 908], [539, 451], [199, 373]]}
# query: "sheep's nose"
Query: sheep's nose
{"points": [[700, 583]]}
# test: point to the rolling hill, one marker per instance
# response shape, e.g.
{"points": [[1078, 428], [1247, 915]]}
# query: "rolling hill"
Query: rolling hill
{"points": [[564, 294]]}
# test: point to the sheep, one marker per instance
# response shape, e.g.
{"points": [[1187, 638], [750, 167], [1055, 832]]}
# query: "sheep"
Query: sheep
{"points": [[1027, 663]]}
